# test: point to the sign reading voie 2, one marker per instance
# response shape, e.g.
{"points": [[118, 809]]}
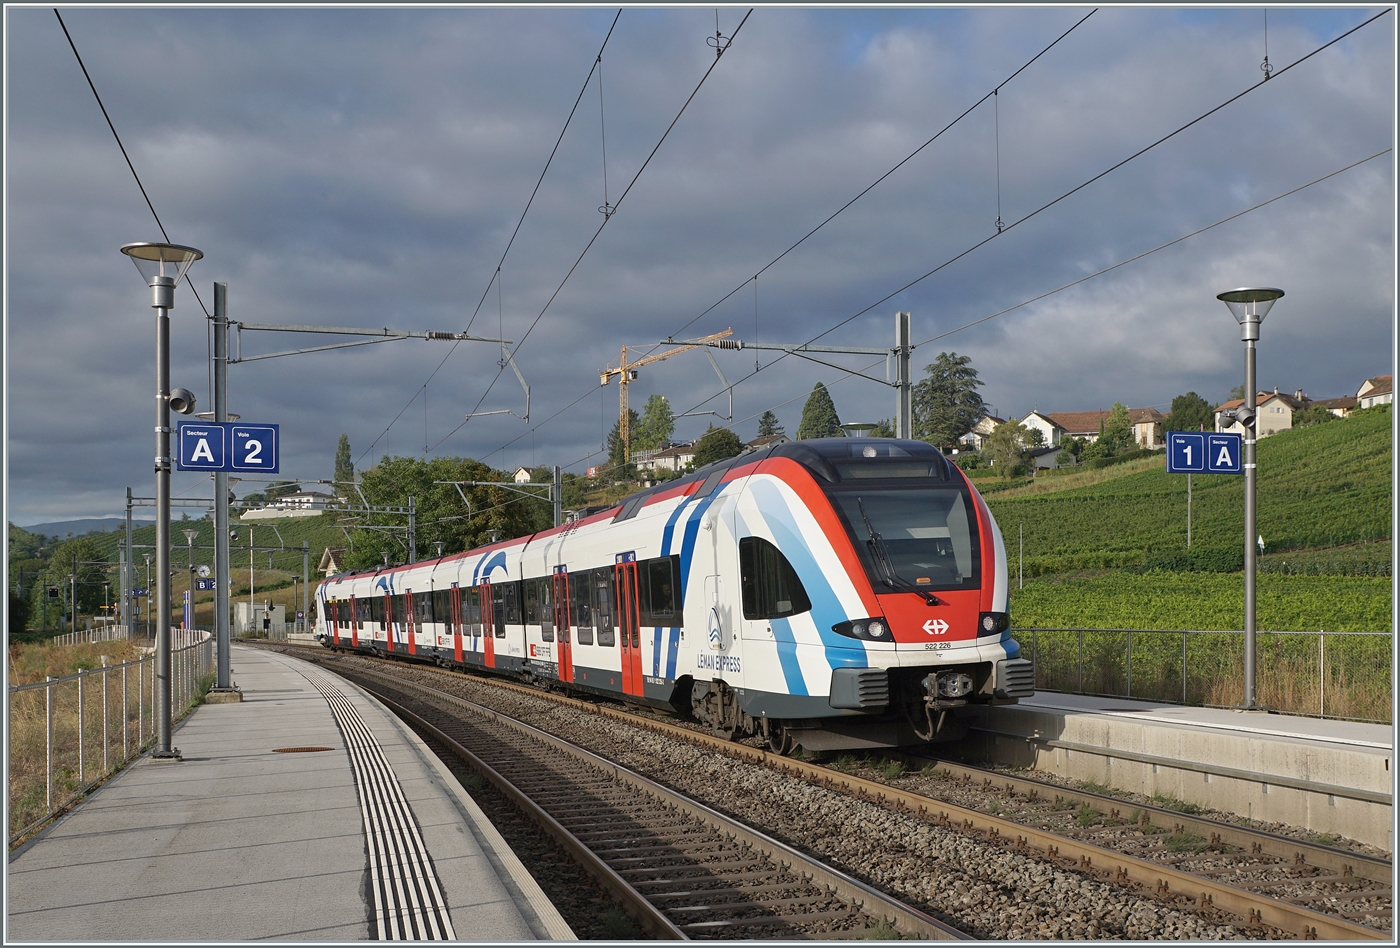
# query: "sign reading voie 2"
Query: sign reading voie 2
{"points": [[1197, 452], [228, 446]]}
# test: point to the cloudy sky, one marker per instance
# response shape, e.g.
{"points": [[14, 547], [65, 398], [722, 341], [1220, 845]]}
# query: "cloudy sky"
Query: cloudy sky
{"points": [[367, 167]]}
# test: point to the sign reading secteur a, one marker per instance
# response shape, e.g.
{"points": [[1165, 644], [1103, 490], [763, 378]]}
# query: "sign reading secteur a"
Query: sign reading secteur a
{"points": [[228, 446], [1197, 452]]}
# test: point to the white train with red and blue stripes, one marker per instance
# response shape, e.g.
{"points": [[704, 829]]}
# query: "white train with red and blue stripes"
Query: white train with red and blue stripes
{"points": [[833, 593]]}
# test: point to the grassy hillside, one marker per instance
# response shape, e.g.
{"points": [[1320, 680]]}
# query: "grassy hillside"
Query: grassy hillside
{"points": [[1319, 487]]}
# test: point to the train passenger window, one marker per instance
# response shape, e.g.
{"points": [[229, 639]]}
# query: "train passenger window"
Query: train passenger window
{"points": [[534, 608], [498, 608], [442, 607], [582, 606], [603, 605], [362, 606], [512, 594], [471, 609], [545, 596], [423, 602], [769, 586], [660, 593], [376, 609]]}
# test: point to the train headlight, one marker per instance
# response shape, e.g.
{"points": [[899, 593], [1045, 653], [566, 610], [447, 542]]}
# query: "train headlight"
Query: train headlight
{"points": [[871, 630], [992, 623]]}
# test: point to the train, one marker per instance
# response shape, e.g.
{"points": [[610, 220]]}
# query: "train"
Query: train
{"points": [[828, 594]]}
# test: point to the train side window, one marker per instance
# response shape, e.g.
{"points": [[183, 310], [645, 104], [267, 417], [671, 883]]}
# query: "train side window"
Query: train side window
{"points": [[376, 609], [426, 604], [530, 589], [471, 609], [582, 605], [769, 586], [512, 594], [544, 594], [366, 614], [442, 607], [659, 591], [498, 608], [603, 605]]}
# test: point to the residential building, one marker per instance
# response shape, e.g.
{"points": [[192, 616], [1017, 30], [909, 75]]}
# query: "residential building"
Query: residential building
{"points": [[767, 441], [1275, 412], [977, 437], [1341, 407], [331, 559], [521, 475], [673, 457], [1376, 391], [1056, 427]]}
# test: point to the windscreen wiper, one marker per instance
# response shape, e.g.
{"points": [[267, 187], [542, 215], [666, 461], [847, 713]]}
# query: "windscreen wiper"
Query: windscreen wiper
{"points": [[881, 554]]}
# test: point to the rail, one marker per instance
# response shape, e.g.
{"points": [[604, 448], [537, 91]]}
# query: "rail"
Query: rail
{"points": [[1340, 675], [68, 734]]}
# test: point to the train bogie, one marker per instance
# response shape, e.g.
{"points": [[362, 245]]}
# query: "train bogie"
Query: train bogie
{"points": [[835, 593]]}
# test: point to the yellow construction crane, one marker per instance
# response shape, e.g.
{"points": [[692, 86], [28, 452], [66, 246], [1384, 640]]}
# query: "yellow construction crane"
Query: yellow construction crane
{"points": [[627, 372]]}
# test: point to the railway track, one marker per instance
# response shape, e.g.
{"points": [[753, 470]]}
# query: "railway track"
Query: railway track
{"points": [[684, 870], [1268, 883]]}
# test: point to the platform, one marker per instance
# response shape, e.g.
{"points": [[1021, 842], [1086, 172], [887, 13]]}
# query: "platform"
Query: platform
{"points": [[1327, 776], [259, 835]]}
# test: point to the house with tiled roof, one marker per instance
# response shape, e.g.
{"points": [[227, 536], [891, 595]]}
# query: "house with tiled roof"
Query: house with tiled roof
{"points": [[977, 437], [1341, 407], [1275, 412], [1086, 425], [1376, 391]]}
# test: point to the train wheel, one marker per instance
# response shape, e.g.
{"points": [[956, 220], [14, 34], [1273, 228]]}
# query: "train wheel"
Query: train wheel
{"points": [[779, 738]]}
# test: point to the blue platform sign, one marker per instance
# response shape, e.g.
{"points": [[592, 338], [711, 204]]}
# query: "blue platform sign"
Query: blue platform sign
{"points": [[202, 447], [227, 447], [1224, 453], [1186, 452], [254, 448], [1196, 452], [204, 584]]}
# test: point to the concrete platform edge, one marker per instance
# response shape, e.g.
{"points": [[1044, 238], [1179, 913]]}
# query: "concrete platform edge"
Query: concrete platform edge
{"points": [[546, 922]]}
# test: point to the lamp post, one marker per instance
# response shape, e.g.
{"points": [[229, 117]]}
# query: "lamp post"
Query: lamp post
{"points": [[148, 594], [1249, 306], [163, 266]]}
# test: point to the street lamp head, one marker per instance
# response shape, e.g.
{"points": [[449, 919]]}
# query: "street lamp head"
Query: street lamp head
{"points": [[162, 266], [190, 535], [1249, 306]]}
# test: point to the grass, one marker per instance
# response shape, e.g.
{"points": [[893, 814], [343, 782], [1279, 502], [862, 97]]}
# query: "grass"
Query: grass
{"points": [[1087, 816], [616, 924], [1185, 843], [882, 932], [891, 769], [1169, 802]]}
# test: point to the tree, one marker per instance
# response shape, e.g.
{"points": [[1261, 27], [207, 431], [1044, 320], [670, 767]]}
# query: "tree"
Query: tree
{"points": [[768, 425], [715, 445], [656, 427], [884, 428], [1237, 391], [1190, 412], [80, 554], [946, 404], [819, 419], [615, 440], [1006, 446], [1117, 433], [440, 513], [1313, 415], [344, 467]]}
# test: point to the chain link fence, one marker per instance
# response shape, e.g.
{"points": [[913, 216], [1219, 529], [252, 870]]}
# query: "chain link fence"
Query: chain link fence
{"points": [[67, 735], [1343, 675]]}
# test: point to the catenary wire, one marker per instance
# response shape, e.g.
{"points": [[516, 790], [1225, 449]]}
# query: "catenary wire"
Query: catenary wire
{"points": [[495, 274], [93, 87], [1008, 227], [622, 197]]}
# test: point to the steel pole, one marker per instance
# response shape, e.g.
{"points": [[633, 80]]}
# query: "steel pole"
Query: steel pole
{"points": [[222, 577], [305, 584], [558, 496], [412, 533], [903, 404], [163, 298], [128, 580], [1250, 331]]}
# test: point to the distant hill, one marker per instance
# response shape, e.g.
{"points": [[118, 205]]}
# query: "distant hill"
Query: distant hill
{"points": [[62, 528]]}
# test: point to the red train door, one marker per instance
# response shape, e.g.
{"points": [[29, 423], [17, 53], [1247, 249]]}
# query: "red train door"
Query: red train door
{"points": [[388, 622], [562, 635], [410, 623], [455, 597], [354, 624], [488, 625], [628, 627], [332, 610]]}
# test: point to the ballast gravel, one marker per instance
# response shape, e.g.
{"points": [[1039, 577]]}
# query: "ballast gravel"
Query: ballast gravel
{"points": [[981, 888]]}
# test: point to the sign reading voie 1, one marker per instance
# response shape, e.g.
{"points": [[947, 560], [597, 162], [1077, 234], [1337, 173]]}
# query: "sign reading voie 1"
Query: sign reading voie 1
{"points": [[1197, 452], [228, 446]]}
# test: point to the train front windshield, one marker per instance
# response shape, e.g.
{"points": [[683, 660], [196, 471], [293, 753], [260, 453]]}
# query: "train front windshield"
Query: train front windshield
{"points": [[917, 538]]}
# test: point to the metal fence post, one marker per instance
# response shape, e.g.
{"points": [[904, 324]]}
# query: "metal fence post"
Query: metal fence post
{"points": [[1321, 674], [140, 705], [48, 743], [1183, 667], [1081, 661], [1130, 663], [104, 714], [82, 769], [126, 699]]}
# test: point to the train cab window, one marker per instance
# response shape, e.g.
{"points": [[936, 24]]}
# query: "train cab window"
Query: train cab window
{"points": [[424, 610], [769, 586], [582, 605], [442, 607], [603, 605], [660, 592]]}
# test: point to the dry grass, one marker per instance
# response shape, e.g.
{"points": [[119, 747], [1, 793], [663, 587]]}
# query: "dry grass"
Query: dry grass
{"points": [[1057, 482]]}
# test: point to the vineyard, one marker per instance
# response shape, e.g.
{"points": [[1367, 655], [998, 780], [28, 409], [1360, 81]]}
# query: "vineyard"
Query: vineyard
{"points": [[1320, 487]]}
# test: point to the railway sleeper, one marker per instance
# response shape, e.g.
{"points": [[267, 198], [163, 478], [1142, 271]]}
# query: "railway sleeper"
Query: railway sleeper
{"points": [[691, 880], [765, 903], [691, 868]]}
